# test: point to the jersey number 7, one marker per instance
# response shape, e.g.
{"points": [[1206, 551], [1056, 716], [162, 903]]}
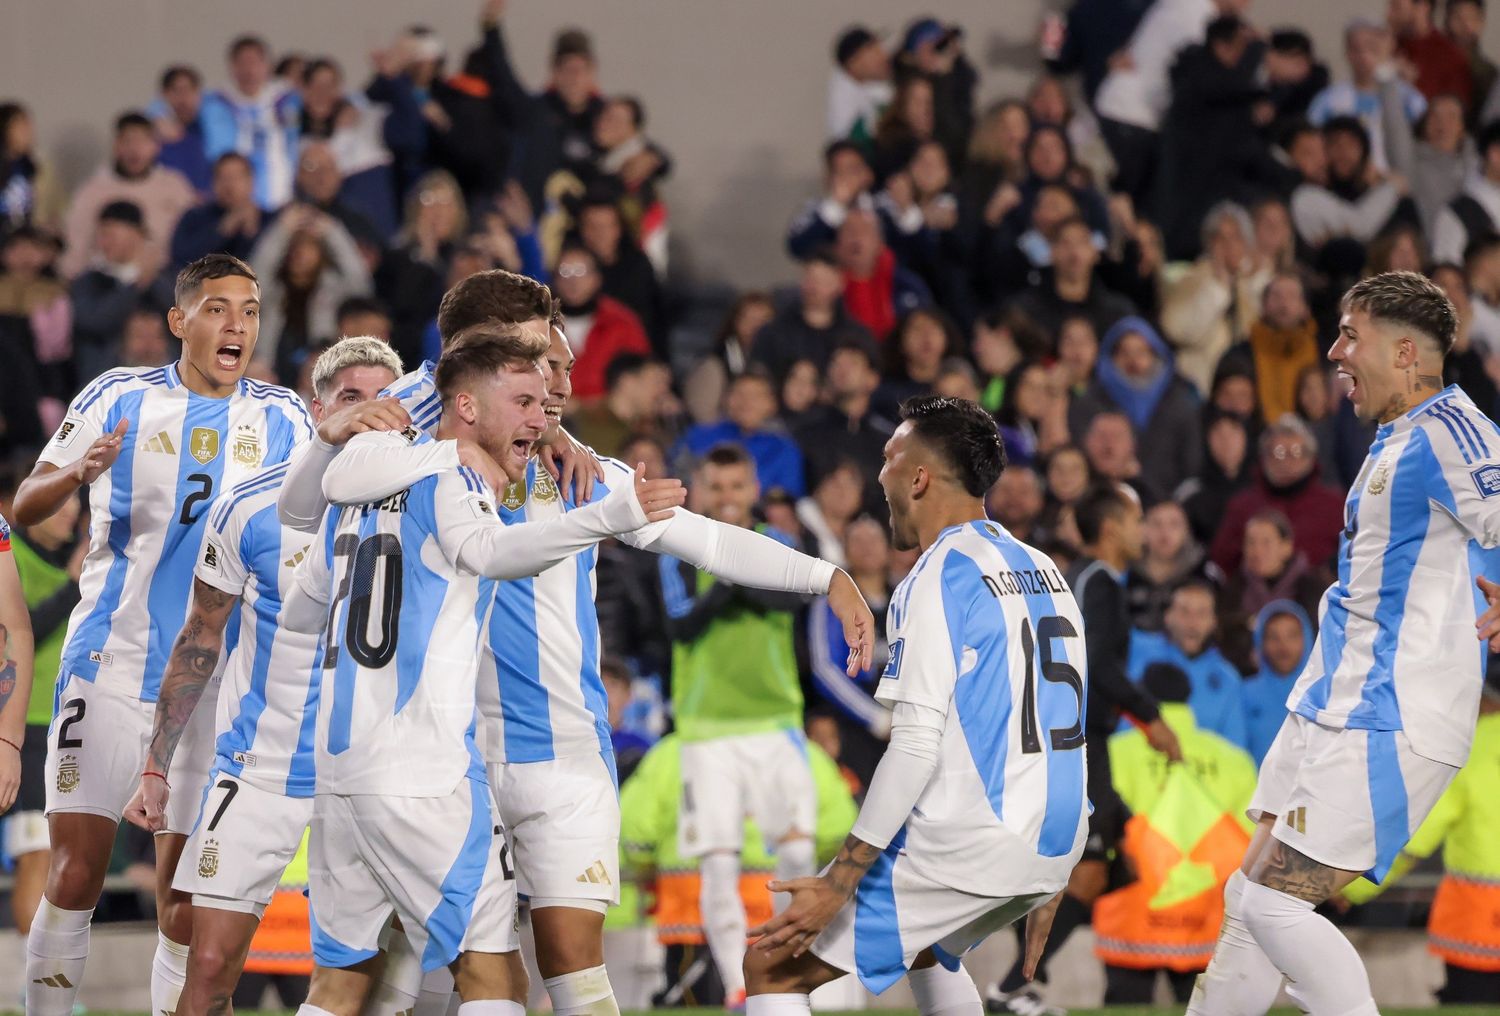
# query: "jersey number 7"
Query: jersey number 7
{"points": [[1055, 673]]}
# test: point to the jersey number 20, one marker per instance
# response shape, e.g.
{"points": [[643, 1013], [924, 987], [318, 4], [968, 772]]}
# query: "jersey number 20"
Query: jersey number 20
{"points": [[358, 586], [1054, 673]]}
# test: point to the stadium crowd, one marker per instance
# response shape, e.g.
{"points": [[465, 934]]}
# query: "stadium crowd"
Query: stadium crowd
{"points": [[1135, 266]]}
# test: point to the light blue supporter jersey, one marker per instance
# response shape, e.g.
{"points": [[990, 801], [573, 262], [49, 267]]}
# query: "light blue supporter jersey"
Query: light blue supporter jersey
{"points": [[396, 713], [268, 699], [1396, 646], [540, 692], [985, 630], [150, 508]]}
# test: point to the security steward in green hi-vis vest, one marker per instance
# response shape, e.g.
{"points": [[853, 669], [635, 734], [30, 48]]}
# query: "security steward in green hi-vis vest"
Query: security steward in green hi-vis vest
{"points": [[1186, 835]]}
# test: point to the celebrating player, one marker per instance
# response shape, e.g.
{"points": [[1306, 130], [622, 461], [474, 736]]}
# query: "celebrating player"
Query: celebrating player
{"points": [[154, 446], [402, 816], [547, 735], [1383, 715], [253, 817], [977, 812]]}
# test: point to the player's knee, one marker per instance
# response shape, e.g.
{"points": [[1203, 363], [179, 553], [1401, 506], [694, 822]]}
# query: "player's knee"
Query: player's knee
{"points": [[74, 880], [211, 965], [764, 972], [174, 916]]}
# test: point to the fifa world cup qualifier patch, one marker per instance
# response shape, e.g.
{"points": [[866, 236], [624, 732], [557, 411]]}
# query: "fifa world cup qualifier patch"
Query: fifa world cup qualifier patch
{"points": [[67, 432], [1487, 479]]}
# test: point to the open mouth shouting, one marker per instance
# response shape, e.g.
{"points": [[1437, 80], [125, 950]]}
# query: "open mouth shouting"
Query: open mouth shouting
{"points": [[1351, 385], [230, 355]]}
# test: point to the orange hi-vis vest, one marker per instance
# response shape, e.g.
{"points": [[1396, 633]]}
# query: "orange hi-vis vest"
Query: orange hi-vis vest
{"points": [[283, 941], [1464, 926], [679, 919], [1183, 848]]}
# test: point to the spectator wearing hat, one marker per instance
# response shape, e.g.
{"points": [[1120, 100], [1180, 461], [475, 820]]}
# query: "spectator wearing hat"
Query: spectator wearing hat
{"points": [[1441, 67], [257, 115], [124, 274], [1373, 84], [934, 52], [750, 421], [228, 224], [177, 116], [135, 176], [599, 328], [1283, 637], [859, 87], [1476, 211]]}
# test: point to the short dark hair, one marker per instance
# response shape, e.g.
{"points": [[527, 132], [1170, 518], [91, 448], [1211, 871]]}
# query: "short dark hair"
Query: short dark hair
{"points": [[132, 118], [1194, 582], [494, 297], [172, 73], [1071, 220], [630, 102], [624, 364], [1479, 245], [1406, 298], [726, 453], [963, 434], [320, 63], [1102, 501], [572, 42], [1167, 682], [242, 42], [823, 254], [209, 266], [1352, 126], [834, 148], [234, 157], [755, 372], [1224, 28], [484, 351], [1274, 517], [1292, 42], [361, 305]]}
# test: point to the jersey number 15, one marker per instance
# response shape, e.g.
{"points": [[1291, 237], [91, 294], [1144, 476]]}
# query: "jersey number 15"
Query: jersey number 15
{"points": [[1057, 674]]}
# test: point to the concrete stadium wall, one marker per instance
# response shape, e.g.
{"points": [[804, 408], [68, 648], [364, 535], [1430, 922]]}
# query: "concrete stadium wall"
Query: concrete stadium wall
{"points": [[734, 90]]}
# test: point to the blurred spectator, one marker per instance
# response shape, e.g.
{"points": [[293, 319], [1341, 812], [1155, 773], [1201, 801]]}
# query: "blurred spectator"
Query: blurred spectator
{"points": [[1226, 471], [1317, 405], [1294, 78], [638, 403], [1272, 569], [177, 116], [1050, 162], [749, 413], [1437, 163], [144, 343], [996, 156], [308, 265], [1288, 480], [1464, 22], [1373, 82], [1069, 477], [321, 183], [466, 113], [1283, 343], [800, 391], [1354, 205], [1482, 265], [1111, 448], [1134, 376], [1283, 640], [36, 324], [846, 426], [1077, 354], [363, 315], [847, 182], [355, 131], [598, 327], [160, 194], [1187, 641], [1169, 556], [1213, 305], [257, 115], [1050, 103], [1002, 339], [229, 224], [1468, 365], [1033, 418], [919, 204], [1016, 502], [956, 380], [627, 273], [123, 275], [735, 346], [1233, 392], [826, 513], [815, 325], [1014, 241], [1397, 249], [28, 191], [629, 744], [877, 290], [1440, 66], [1275, 242], [933, 52], [859, 87], [913, 356], [1072, 285], [508, 233], [414, 275], [1092, 32], [1476, 211], [909, 119]]}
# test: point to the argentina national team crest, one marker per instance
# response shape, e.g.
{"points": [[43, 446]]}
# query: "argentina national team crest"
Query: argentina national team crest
{"points": [[67, 774], [203, 444], [1487, 479], [545, 491], [1380, 477], [208, 861], [245, 448]]}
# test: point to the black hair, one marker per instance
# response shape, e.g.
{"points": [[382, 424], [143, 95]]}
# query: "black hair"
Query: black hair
{"points": [[1102, 501], [963, 434], [209, 266], [1167, 682], [1224, 28], [234, 157], [132, 118], [241, 42], [836, 147], [176, 71], [623, 365], [1349, 125], [1292, 42], [361, 305]]}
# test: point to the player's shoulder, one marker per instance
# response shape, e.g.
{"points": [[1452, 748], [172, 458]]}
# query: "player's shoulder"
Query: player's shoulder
{"points": [[275, 395], [251, 495], [1452, 423], [112, 384]]}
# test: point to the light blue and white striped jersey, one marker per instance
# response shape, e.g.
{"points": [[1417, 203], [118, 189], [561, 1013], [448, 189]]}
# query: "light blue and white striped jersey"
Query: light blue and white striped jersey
{"points": [[1396, 646], [540, 692], [268, 699], [150, 507], [418, 394], [396, 714], [986, 631]]}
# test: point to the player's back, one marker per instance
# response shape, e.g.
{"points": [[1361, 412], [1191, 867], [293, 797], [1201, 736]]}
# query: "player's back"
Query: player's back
{"points": [[417, 392], [986, 630], [268, 701], [149, 507], [396, 714]]}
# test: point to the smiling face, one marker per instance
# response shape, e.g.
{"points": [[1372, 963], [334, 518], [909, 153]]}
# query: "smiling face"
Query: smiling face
{"points": [[1370, 364], [559, 382], [898, 477], [218, 329]]}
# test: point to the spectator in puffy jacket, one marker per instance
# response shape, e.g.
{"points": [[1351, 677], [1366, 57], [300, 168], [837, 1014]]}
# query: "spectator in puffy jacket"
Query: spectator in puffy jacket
{"points": [[598, 327]]}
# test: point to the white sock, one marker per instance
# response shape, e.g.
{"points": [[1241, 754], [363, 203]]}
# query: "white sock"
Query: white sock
{"points": [[435, 993], [56, 950], [168, 974], [778, 1005], [724, 917], [794, 859], [396, 991], [940, 990], [311, 1010], [1240, 980], [582, 993], [1330, 978], [492, 1007]]}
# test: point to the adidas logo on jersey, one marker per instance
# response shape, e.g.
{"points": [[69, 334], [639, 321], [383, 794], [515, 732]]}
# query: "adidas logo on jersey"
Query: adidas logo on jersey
{"points": [[162, 442], [597, 874]]}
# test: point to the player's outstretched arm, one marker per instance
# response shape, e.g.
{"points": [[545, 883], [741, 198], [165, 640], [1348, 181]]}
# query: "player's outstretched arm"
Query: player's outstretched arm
{"points": [[44, 491], [195, 655], [16, 658]]}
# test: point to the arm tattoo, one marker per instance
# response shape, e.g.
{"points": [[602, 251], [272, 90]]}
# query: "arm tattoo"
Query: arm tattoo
{"points": [[855, 858], [9, 669], [1288, 870], [195, 654]]}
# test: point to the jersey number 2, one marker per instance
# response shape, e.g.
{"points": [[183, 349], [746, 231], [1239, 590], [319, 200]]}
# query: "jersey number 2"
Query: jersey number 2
{"points": [[358, 586], [1054, 673], [190, 504]]}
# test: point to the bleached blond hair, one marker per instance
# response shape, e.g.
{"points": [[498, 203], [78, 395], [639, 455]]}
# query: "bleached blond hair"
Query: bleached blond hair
{"points": [[354, 351]]}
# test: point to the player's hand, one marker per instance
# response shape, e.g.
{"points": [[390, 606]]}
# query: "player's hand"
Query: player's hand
{"points": [[1489, 622], [658, 497], [10, 776], [379, 414], [814, 903], [572, 465], [148, 808], [1038, 926], [100, 456], [471, 456], [853, 612], [1160, 737]]}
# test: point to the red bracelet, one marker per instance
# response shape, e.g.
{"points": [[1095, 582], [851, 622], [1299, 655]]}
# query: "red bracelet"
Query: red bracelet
{"points": [[159, 776], [6, 740]]}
